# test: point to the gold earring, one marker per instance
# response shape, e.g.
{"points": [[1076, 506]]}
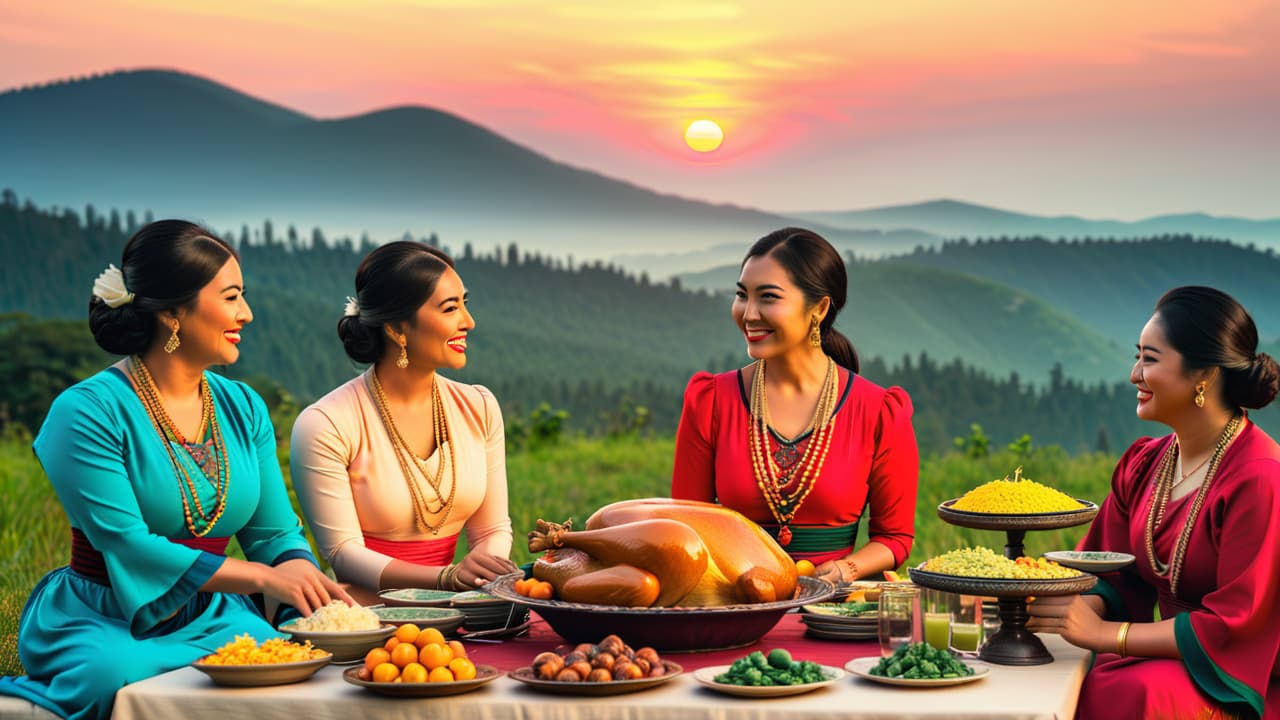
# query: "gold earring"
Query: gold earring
{"points": [[1200, 395], [402, 362], [174, 341], [815, 335]]}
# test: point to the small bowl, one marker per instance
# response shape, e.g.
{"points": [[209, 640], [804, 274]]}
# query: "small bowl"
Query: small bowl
{"points": [[346, 646], [443, 619]]}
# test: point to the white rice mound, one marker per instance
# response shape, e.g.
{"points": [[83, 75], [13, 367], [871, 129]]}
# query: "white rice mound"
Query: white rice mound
{"points": [[338, 616]]}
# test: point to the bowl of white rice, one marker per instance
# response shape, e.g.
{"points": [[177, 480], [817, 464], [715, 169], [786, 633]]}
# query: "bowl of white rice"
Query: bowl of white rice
{"points": [[347, 631]]}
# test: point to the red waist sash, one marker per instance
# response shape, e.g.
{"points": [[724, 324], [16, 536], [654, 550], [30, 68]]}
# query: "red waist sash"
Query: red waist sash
{"points": [[419, 552], [86, 560]]}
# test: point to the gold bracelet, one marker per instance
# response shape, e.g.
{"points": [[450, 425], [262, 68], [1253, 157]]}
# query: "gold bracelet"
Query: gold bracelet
{"points": [[1122, 637], [443, 575]]}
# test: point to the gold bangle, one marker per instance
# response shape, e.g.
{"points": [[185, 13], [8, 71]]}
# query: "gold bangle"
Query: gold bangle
{"points": [[444, 574], [1122, 637]]}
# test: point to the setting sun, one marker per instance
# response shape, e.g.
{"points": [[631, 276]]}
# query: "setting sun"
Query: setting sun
{"points": [[703, 135]]}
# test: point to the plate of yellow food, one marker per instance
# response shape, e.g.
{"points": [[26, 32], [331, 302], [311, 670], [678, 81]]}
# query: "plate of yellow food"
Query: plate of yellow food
{"points": [[244, 662]]}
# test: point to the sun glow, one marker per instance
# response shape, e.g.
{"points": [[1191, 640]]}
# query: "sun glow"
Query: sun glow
{"points": [[703, 135]]}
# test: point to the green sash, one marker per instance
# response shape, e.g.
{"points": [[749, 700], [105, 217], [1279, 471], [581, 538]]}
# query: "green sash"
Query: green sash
{"points": [[818, 538]]}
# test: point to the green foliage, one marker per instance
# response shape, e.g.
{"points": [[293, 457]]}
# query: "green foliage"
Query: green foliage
{"points": [[41, 359], [544, 427], [974, 446]]}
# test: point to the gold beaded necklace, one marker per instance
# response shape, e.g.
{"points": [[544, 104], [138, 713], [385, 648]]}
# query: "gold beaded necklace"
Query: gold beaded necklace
{"points": [[1160, 499], [783, 503], [440, 423], [199, 523]]}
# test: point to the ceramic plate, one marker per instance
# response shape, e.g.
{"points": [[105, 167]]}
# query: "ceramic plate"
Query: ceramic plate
{"points": [[846, 611], [477, 598], [484, 674], [862, 668], [345, 646], [707, 676], [258, 675], [417, 597], [1095, 561], [445, 620], [616, 687]]}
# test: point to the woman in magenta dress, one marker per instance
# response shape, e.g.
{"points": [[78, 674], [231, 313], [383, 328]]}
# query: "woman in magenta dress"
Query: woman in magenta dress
{"points": [[798, 441], [1200, 510]]}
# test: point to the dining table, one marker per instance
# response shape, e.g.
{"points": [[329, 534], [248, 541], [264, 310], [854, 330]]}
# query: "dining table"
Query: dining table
{"points": [[1040, 692]]}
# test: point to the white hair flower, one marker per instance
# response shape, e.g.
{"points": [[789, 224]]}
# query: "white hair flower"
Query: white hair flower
{"points": [[352, 309], [110, 289]]}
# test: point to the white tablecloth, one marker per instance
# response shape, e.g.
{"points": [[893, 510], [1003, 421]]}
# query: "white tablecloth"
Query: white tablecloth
{"points": [[1044, 692]]}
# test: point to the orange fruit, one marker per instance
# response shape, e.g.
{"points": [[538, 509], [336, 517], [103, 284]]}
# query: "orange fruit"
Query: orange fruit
{"points": [[386, 672], [542, 590], [440, 674], [435, 655], [804, 567], [462, 669], [407, 633], [413, 673], [404, 654], [892, 576], [376, 657], [522, 586], [428, 636], [456, 647], [391, 643]]}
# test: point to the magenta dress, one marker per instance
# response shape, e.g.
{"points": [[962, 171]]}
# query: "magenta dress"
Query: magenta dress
{"points": [[1227, 609]]}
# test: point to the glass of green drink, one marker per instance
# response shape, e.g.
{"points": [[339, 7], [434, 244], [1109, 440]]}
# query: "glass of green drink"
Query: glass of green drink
{"points": [[966, 624]]}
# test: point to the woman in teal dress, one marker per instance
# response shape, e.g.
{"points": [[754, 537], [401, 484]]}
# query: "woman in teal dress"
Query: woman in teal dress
{"points": [[158, 464]]}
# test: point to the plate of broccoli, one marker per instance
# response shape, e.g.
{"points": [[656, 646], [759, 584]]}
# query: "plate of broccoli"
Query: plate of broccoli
{"points": [[772, 675], [917, 665]]}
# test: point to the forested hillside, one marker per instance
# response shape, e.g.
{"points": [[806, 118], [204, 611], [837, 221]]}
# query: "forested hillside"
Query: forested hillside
{"points": [[586, 338]]}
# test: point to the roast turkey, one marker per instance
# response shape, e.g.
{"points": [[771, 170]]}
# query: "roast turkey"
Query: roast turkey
{"points": [[661, 552]]}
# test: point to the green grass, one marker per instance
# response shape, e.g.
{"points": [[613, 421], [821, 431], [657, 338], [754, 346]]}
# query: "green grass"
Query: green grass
{"points": [[569, 480]]}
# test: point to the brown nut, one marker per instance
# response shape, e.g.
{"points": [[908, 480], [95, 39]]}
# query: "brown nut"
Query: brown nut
{"points": [[587, 649], [603, 660], [658, 670], [568, 675], [649, 654], [643, 664], [582, 667], [574, 657], [630, 671], [599, 675], [547, 665]]}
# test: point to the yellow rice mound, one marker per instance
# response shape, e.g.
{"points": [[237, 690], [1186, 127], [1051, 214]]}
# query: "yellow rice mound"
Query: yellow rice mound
{"points": [[986, 563], [1019, 496], [244, 650]]}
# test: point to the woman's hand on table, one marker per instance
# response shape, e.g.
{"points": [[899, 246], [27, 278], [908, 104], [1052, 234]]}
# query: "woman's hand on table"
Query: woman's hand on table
{"points": [[836, 571], [300, 583], [1072, 618], [476, 569]]}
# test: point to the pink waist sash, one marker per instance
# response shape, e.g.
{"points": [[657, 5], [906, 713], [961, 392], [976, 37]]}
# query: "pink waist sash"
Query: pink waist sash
{"points": [[419, 552]]}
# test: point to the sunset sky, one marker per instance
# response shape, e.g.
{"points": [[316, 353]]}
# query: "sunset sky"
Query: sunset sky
{"points": [[1097, 108]]}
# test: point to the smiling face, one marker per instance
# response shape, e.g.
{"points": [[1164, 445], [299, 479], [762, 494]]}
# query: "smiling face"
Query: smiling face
{"points": [[771, 311], [438, 336], [210, 328], [1166, 390]]}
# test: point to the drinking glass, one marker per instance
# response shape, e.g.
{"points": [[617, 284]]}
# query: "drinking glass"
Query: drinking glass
{"points": [[939, 609], [966, 624], [899, 617]]}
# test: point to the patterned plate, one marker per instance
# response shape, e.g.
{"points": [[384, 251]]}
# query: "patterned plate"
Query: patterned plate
{"points": [[417, 597], [445, 620], [1094, 561]]}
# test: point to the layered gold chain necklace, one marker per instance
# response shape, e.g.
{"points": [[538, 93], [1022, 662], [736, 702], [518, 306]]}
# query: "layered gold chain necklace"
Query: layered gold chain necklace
{"points": [[784, 503], [422, 506], [1160, 499], [199, 523]]}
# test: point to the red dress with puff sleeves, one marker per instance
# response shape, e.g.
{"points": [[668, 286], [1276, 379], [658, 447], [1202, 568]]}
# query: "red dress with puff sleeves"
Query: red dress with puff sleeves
{"points": [[872, 464]]}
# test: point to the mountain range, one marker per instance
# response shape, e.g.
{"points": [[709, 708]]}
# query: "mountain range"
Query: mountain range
{"points": [[182, 145]]}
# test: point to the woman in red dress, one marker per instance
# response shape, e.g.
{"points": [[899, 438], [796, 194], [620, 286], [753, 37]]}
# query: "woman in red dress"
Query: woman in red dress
{"points": [[1200, 511], [798, 441]]}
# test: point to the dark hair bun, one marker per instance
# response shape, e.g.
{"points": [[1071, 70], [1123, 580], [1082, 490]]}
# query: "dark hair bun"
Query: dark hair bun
{"points": [[361, 342], [120, 331], [1257, 386]]}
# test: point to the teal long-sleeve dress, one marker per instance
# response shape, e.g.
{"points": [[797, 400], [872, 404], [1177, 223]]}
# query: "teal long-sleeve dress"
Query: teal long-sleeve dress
{"points": [[81, 640]]}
